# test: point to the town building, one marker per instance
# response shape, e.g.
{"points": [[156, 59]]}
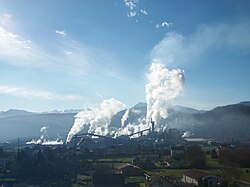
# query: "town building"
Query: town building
{"points": [[198, 177], [130, 170]]}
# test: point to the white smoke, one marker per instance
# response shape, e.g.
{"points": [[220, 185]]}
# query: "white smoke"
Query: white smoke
{"points": [[186, 134], [162, 86], [43, 139], [45, 142], [44, 130], [53, 142], [124, 118], [98, 119], [132, 128]]}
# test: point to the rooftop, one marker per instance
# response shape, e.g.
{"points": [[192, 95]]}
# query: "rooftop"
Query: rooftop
{"points": [[196, 174], [127, 165]]}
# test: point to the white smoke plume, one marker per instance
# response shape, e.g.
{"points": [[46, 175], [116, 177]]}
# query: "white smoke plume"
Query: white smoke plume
{"points": [[162, 86], [132, 128], [98, 119], [43, 130], [124, 118], [43, 139], [186, 134], [53, 142], [45, 142]]}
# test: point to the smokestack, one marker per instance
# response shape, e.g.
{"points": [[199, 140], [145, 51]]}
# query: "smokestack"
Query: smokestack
{"points": [[152, 125]]}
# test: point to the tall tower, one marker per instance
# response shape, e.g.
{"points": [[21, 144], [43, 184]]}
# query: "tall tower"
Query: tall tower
{"points": [[152, 125]]}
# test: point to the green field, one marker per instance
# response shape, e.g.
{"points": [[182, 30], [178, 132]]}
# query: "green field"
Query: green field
{"points": [[122, 160], [214, 163], [245, 174], [167, 172], [212, 167]]}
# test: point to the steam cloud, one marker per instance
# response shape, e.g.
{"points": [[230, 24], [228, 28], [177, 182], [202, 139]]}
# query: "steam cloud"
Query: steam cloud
{"points": [[131, 128], [186, 134], [98, 119], [124, 117], [43, 140], [162, 86]]}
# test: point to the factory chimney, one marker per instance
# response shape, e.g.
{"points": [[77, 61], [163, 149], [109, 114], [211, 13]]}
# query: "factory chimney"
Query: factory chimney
{"points": [[152, 125]]}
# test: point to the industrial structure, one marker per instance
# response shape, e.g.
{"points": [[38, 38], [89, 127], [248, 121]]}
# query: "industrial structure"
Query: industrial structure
{"points": [[145, 136]]}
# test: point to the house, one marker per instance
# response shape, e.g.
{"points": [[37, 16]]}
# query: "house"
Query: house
{"points": [[108, 180], [158, 181], [130, 170], [198, 177], [177, 151]]}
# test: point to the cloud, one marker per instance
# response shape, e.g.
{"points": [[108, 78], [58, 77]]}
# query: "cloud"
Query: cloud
{"points": [[5, 19], [131, 14], [143, 11], [14, 46], [67, 55], [34, 94], [131, 4], [163, 24], [133, 8], [68, 52], [178, 49], [20, 51], [60, 33]]}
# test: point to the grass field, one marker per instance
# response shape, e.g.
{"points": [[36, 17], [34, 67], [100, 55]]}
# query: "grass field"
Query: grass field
{"points": [[208, 148], [122, 160], [167, 172], [213, 162], [245, 174], [213, 166]]}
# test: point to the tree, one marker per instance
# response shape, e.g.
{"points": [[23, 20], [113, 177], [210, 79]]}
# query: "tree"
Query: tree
{"points": [[194, 157]]}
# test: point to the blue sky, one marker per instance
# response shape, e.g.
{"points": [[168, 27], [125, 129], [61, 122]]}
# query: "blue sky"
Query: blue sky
{"points": [[65, 54]]}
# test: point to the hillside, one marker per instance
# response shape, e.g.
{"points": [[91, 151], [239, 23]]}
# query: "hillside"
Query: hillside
{"points": [[30, 125], [230, 122], [221, 123]]}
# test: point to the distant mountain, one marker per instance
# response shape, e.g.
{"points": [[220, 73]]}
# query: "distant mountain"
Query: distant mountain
{"points": [[178, 108], [230, 122], [62, 111], [140, 105], [72, 110], [178, 116], [29, 125], [14, 112], [221, 123], [247, 103]]}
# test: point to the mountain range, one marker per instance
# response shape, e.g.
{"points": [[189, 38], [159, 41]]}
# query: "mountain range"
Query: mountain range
{"points": [[231, 122]]}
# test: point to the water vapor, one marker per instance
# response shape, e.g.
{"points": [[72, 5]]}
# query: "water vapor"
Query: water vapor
{"points": [[124, 118], [163, 85], [43, 140], [186, 134], [98, 118]]}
